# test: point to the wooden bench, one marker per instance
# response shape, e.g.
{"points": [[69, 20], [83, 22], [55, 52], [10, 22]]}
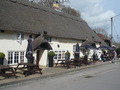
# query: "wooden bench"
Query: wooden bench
{"points": [[77, 62], [7, 70], [28, 68], [66, 63]]}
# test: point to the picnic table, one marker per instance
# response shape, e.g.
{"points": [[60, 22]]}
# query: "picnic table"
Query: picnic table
{"points": [[66, 63], [7, 70], [78, 62], [28, 68], [83, 60]]}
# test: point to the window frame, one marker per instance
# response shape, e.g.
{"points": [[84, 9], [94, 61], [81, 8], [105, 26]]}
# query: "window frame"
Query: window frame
{"points": [[59, 54], [49, 39], [15, 57]]}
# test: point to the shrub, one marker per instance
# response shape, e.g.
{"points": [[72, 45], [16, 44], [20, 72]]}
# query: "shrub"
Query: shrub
{"points": [[67, 53], [2, 55], [51, 53]]}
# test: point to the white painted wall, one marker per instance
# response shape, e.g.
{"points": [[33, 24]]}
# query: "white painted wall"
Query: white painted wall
{"points": [[43, 59], [8, 42], [65, 44]]}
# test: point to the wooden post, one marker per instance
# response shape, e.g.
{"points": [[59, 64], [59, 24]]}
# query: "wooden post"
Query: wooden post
{"points": [[38, 57]]}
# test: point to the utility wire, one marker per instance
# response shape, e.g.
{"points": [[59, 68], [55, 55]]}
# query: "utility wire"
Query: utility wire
{"points": [[115, 27], [116, 34]]}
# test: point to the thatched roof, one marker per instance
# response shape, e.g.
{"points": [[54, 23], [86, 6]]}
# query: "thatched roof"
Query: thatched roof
{"points": [[103, 37], [40, 43], [87, 42], [27, 17]]}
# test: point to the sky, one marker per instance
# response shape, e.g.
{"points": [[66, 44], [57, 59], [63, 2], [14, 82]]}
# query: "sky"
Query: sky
{"points": [[98, 13]]}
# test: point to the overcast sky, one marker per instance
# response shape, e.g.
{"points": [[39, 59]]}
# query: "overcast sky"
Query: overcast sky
{"points": [[97, 13]]}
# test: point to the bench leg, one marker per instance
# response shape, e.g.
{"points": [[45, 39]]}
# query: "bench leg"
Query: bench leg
{"points": [[56, 64], [40, 70], [14, 73]]}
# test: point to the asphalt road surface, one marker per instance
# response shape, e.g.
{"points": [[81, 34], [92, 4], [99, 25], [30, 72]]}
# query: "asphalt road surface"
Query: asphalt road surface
{"points": [[105, 77]]}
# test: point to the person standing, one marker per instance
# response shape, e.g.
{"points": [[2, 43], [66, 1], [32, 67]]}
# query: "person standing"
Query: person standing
{"points": [[95, 57], [114, 57]]}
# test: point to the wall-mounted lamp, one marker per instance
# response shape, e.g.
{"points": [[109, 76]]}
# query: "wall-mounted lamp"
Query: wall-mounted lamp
{"points": [[45, 32]]}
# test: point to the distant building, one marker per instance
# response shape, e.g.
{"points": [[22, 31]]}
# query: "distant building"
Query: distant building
{"points": [[105, 39]]}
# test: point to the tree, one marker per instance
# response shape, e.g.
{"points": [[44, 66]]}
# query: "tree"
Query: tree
{"points": [[49, 3], [63, 8], [101, 30], [71, 11]]}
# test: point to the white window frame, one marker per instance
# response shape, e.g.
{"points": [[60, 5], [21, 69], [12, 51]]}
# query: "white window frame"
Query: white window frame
{"points": [[74, 48], [15, 57], [59, 54], [20, 37], [49, 39]]}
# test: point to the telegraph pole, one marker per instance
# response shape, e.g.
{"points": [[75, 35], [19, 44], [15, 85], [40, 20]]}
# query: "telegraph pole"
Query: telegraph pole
{"points": [[118, 40], [111, 31], [112, 28]]}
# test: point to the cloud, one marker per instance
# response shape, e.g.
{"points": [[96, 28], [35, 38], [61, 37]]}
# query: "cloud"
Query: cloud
{"points": [[93, 12], [98, 19]]}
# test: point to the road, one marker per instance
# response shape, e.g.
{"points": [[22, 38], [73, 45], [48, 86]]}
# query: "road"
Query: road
{"points": [[105, 77]]}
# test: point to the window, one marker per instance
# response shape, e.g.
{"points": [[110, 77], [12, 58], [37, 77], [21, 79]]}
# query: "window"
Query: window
{"points": [[59, 54], [20, 36], [15, 57], [49, 39], [74, 48]]}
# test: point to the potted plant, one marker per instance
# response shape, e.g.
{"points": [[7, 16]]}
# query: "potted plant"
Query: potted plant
{"points": [[51, 55], [67, 55], [2, 56]]}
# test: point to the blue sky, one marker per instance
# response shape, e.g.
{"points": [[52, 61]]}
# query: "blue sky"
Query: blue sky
{"points": [[97, 14]]}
